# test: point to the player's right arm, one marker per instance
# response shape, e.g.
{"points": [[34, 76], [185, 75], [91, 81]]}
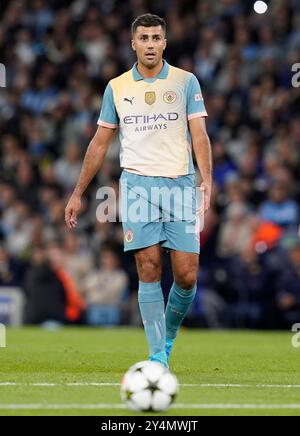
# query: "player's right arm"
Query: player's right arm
{"points": [[108, 123], [92, 162]]}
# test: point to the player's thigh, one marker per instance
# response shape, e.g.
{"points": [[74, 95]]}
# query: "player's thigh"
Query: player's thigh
{"points": [[139, 235], [181, 230], [181, 236], [140, 219], [149, 263], [185, 268]]}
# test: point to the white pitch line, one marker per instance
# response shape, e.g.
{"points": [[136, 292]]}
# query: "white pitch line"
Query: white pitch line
{"points": [[59, 384], [175, 406], [60, 406], [183, 385], [237, 406], [230, 385]]}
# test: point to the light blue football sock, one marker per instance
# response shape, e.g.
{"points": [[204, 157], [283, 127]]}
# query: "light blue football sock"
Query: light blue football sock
{"points": [[152, 307], [179, 304]]}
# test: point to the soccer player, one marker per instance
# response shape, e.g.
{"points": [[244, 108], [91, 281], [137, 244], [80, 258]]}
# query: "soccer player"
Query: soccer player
{"points": [[160, 113]]}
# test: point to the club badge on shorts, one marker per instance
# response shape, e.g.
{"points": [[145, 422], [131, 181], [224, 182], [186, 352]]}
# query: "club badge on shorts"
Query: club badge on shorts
{"points": [[170, 97], [129, 236], [150, 98]]}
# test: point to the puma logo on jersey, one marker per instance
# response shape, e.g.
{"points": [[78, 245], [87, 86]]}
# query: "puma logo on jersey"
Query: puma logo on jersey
{"points": [[129, 101]]}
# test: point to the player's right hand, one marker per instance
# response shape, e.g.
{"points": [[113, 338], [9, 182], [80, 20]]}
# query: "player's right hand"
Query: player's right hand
{"points": [[72, 211]]}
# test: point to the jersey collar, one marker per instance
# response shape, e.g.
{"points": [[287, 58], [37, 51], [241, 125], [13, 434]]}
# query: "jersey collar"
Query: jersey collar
{"points": [[163, 74]]}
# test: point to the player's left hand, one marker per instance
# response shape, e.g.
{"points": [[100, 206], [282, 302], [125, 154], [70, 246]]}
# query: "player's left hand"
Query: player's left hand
{"points": [[206, 187]]}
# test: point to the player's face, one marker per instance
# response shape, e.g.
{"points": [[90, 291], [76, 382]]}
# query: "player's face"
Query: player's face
{"points": [[149, 44]]}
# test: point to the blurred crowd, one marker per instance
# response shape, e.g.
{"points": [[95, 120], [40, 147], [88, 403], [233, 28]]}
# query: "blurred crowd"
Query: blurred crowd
{"points": [[59, 55]]}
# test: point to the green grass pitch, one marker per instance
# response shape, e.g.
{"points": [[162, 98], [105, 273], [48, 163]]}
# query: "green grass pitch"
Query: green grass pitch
{"points": [[77, 371]]}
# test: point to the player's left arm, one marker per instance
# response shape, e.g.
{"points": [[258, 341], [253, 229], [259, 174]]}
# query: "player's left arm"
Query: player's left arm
{"points": [[202, 149], [196, 114]]}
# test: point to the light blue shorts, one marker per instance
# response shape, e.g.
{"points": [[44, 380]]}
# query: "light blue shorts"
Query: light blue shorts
{"points": [[159, 210]]}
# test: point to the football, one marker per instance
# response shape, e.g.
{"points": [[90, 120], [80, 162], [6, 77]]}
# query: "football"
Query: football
{"points": [[149, 387]]}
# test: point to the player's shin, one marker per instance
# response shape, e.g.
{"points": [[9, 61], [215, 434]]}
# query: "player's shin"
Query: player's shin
{"points": [[151, 302], [179, 304]]}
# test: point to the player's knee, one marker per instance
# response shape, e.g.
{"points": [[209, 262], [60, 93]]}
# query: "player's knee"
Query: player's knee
{"points": [[186, 280], [149, 271]]}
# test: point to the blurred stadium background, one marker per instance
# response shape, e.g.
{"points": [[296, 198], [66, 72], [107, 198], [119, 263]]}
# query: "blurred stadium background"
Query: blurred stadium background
{"points": [[59, 56]]}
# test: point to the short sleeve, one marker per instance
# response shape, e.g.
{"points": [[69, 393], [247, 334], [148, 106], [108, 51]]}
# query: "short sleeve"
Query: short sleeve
{"points": [[195, 102], [108, 115]]}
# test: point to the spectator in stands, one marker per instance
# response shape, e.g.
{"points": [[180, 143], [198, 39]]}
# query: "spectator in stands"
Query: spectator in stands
{"points": [[78, 258], [249, 283], [236, 231], [11, 270], [46, 299], [105, 286], [280, 209], [74, 303], [67, 168], [288, 297], [223, 166]]}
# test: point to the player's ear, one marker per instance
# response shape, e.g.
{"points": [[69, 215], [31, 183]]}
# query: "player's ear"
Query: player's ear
{"points": [[165, 44], [133, 44]]}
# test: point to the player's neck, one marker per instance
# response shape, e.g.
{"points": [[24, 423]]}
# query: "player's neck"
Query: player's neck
{"points": [[148, 73]]}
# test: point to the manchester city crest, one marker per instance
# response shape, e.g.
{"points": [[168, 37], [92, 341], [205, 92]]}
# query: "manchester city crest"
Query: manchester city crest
{"points": [[170, 97], [150, 97]]}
